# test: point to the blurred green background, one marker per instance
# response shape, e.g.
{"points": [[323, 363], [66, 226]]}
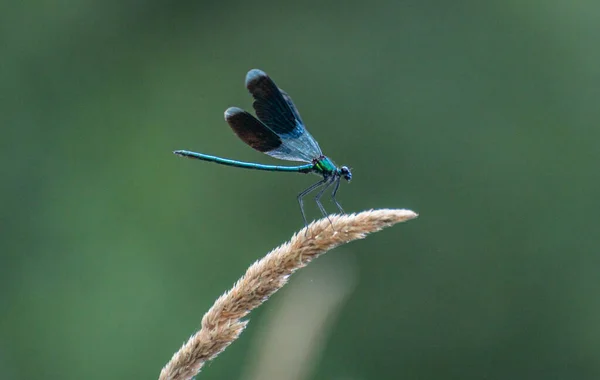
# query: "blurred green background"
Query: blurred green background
{"points": [[480, 116]]}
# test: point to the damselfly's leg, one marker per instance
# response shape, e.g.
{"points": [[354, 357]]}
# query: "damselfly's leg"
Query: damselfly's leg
{"points": [[304, 193], [334, 192], [318, 199]]}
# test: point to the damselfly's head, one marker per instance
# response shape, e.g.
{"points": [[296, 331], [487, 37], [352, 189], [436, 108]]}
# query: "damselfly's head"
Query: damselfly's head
{"points": [[346, 173]]}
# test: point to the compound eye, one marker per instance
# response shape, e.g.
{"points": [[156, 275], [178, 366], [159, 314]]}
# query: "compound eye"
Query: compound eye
{"points": [[345, 172]]}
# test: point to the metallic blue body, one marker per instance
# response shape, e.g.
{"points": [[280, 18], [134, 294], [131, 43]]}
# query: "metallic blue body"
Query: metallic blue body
{"points": [[246, 165]]}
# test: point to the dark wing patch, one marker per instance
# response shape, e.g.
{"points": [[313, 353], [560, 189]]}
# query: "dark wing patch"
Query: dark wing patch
{"points": [[271, 106], [251, 130], [288, 100]]}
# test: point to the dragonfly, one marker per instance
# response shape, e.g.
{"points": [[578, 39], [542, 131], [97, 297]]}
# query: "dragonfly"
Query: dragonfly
{"points": [[278, 131]]}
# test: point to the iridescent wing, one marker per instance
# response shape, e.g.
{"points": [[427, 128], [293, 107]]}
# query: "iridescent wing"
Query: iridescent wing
{"points": [[275, 109], [260, 137], [252, 131], [292, 106]]}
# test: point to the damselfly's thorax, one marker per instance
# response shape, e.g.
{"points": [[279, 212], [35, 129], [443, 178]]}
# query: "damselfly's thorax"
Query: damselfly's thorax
{"points": [[324, 166]]}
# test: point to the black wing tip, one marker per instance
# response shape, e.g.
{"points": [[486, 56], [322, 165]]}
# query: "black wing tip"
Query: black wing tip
{"points": [[232, 112], [254, 76]]}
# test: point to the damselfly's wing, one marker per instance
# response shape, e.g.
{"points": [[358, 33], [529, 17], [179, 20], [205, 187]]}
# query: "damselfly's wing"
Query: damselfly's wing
{"points": [[290, 103], [260, 137], [277, 111], [252, 131]]}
